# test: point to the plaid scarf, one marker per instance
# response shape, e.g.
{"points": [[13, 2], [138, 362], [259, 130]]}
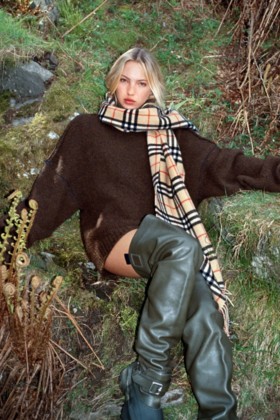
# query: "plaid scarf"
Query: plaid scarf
{"points": [[172, 200]]}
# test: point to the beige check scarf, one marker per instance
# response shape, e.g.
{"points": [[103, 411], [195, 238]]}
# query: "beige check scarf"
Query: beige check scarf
{"points": [[172, 200]]}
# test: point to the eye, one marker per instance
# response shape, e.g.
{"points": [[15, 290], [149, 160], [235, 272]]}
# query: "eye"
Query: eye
{"points": [[143, 84], [122, 80]]}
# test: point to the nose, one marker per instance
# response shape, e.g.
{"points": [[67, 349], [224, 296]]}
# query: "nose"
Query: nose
{"points": [[131, 89]]}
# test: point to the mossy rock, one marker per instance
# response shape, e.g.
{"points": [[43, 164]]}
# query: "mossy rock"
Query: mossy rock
{"points": [[249, 225]]}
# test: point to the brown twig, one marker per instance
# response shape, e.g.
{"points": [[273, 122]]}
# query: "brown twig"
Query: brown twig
{"points": [[84, 19], [76, 325], [224, 17], [70, 355]]}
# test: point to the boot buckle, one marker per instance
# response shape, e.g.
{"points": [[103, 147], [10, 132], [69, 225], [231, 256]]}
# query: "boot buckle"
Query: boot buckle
{"points": [[155, 388]]}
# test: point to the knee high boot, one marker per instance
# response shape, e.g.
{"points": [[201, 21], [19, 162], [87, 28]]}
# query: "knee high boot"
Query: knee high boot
{"points": [[208, 356], [170, 258]]}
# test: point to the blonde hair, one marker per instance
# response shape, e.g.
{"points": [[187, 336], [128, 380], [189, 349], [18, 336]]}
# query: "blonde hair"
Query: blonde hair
{"points": [[150, 67]]}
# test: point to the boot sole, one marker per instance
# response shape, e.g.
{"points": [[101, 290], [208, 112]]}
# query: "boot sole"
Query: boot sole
{"points": [[125, 413]]}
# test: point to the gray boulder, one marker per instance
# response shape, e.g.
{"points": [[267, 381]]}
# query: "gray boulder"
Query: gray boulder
{"points": [[33, 67], [25, 81]]}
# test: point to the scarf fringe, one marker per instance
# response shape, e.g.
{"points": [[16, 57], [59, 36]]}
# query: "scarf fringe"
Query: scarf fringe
{"points": [[224, 310]]}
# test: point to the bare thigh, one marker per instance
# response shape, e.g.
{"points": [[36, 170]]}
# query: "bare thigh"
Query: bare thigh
{"points": [[115, 262]]}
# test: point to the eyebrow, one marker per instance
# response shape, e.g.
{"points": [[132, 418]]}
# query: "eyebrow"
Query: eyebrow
{"points": [[138, 80]]}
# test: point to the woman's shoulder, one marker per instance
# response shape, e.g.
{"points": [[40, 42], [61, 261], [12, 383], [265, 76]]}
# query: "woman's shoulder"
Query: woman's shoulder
{"points": [[84, 123], [189, 138], [85, 118]]}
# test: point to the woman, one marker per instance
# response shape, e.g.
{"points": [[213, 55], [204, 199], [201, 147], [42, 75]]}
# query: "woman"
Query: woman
{"points": [[138, 218]]}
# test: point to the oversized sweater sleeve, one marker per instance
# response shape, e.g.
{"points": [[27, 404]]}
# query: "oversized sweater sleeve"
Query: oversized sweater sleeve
{"points": [[53, 190], [226, 171]]}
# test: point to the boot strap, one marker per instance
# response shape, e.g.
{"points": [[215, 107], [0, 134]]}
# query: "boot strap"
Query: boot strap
{"points": [[149, 385]]}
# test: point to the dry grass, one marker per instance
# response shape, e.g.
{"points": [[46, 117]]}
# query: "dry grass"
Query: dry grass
{"points": [[32, 365], [254, 82]]}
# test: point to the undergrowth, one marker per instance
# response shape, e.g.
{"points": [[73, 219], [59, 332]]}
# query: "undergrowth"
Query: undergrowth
{"points": [[244, 228], [16, 42], [194, 50]]}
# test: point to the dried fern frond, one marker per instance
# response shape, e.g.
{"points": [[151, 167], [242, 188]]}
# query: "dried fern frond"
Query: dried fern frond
{"points": [[31, 371], [31, 363]]}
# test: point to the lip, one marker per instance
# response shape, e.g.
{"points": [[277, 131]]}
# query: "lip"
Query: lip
{"points": [[129, 101]]}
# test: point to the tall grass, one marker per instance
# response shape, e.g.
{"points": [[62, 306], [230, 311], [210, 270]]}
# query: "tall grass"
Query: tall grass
{"points": [[16, 42]]}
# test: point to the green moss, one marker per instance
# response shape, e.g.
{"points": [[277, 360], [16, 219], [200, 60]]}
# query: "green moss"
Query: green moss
{"points": [[59, 102], [184, 411], [128, 321], [28, 110], [4, 101], [23, 150]]}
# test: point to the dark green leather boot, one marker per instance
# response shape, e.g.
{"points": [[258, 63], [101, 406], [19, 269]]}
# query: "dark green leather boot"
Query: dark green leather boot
{"points": [[170, 258], [179, 305], [208, 356]]}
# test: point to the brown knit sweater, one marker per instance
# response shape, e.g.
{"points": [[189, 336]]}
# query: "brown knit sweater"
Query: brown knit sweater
{"points": [[105, 174]]}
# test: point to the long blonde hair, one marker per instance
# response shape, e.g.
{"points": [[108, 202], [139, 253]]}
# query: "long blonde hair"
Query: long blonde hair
{"points": [[150, 67]]}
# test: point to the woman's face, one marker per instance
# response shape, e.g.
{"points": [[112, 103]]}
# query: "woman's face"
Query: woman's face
{"points": [[133, 89]]}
